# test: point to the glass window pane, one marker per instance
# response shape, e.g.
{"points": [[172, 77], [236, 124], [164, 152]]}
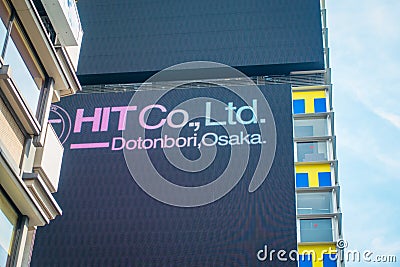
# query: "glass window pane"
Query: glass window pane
{"points": [[8, 222], [3, 33], [312, 151], [310, 127], [314, 203], [20, 72], [318, 230]]}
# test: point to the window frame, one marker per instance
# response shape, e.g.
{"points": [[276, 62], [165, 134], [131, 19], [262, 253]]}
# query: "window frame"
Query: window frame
{"points": [[332, 208], [332, 231], [314, 141], [15, 239], [17, 33], [310, 119]]}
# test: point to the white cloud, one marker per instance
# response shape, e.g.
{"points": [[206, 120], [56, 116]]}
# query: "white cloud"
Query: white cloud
{"points": [[383, 19], [390, 117], [379, 245]]}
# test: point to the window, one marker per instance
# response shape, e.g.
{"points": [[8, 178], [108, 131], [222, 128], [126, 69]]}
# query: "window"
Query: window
{"points": [[314, 203], [312, 151], [316, 230], [4, 18], [23, 70], [8, 224], [16, 51], [310, 127]]}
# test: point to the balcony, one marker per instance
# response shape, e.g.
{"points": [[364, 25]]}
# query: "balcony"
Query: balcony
{"points": [[48, 159], [64, 17]]}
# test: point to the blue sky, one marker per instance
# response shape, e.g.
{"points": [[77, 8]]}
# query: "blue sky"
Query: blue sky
{"points": [[364, 37]]}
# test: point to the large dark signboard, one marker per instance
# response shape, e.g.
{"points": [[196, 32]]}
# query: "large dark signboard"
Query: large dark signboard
{"points": [[129, 40], [182, 177]]}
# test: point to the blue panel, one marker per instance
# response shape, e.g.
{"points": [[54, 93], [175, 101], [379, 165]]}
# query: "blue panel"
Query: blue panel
{"points": [[324, 179], [305, 261], [299, 106], [302, 180], [319, 105], [330, 260]]}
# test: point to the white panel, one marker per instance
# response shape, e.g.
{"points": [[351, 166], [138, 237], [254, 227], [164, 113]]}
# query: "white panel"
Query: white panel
{"points": [[64, 17], [48, 159]]}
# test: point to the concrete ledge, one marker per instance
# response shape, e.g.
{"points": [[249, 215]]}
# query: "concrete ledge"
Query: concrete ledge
{"points": [[42, 195]]}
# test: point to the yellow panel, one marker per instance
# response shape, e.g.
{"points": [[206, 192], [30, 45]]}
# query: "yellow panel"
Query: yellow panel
{"points": [[309, 97], [309, 94], [317, 251], [313, 171]]}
